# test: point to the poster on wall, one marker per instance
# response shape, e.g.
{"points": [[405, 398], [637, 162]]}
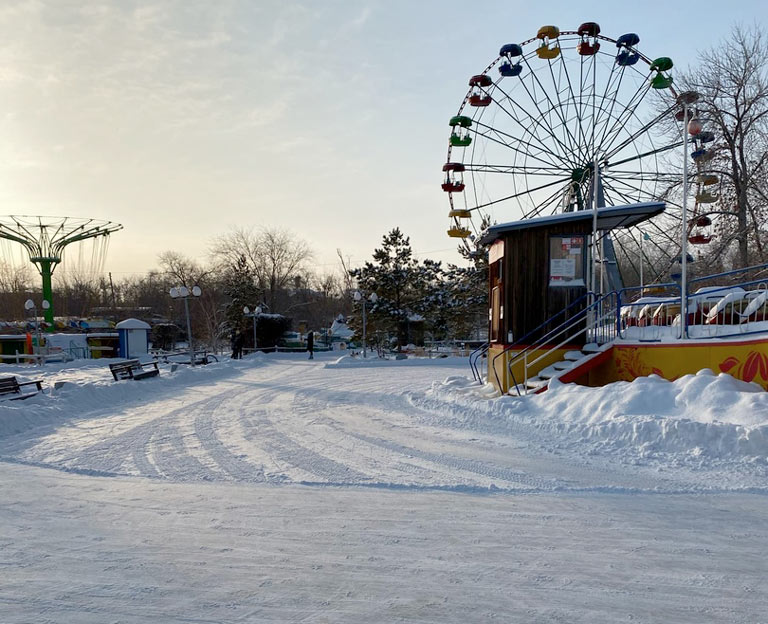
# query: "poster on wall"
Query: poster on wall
{"points": [[566, 261]]}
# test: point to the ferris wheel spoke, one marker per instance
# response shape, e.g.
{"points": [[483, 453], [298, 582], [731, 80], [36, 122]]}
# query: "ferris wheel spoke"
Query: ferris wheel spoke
{"points": [[537, 122], [622, 119], [562, 109], [553, 108], [645, 154], [533, 152], [661, 231], [642, 176], [629, 174], [586, 85], [511, 169], [636, 251], [628, 191], [530, 154], [562, 113], [611, 151], [577, 145], [664, 233], [515, 195], [638, 187], [610, 94], [538, 209]]}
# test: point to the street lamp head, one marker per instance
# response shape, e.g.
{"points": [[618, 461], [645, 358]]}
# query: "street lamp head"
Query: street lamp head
{"points": [[29, 304], [246, 310], [373, 298], [174, 292], [196, 291], [257, 310], [183, 291], [358, 295], [46, 304]]}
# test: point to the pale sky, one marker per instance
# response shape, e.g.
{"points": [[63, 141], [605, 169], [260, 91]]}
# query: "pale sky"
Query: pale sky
{"points": [[180, 119]]}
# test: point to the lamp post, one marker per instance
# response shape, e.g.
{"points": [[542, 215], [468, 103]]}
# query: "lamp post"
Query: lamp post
{"points": [[30, 305], [182, 292], [255, 314], [644, 237], [685, 99], [373, 298]]}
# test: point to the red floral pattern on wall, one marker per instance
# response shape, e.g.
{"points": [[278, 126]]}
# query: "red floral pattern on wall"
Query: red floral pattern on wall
{"points": [[630, 366], [756, 365]]}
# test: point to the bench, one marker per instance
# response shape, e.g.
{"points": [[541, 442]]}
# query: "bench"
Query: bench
{"points": [[10, 388], [201, 357], [133, 369]]}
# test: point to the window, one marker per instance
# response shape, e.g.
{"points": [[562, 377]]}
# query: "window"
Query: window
{"points": [[566, 260]]}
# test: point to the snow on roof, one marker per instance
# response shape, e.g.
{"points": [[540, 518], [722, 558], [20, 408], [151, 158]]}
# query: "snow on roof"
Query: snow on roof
{"points": [[341, 330], [132, 323], [608, 218]]}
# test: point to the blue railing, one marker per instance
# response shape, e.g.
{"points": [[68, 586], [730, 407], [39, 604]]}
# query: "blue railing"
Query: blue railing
{"points": [[665, 311], [599, 327], [522, 340], [474, 357]]}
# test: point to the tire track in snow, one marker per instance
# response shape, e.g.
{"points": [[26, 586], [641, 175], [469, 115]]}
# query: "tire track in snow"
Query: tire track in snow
{"points": [[173, 458], [445, 460], [227, 406], [258, 426], [391, 461], [178, 464], [139, 445], [111, 455], [286, 450], [235, 467]]}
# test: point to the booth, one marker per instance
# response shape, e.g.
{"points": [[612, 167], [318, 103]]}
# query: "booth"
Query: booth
{"points": [[133, 335], [539, 273]]}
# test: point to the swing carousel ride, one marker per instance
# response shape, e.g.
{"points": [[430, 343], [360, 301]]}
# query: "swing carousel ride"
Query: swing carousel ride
{"points": [[45, 240], [570, 123]]}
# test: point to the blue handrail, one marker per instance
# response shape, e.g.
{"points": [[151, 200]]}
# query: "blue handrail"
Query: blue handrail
{"points": [[474, 357], [578, 318], [519, 341]]}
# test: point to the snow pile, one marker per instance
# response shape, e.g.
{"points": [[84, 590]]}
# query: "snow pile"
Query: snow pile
{"points": [[697, 419]]}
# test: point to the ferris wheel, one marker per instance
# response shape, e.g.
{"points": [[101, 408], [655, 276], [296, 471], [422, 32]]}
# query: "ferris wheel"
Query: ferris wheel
{"points": [[548, 113]]}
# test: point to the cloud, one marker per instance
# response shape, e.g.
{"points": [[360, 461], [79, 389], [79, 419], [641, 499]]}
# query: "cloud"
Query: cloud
{"points": [[362, 18]]}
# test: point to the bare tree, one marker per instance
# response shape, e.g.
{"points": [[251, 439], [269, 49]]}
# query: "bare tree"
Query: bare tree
{"points": [[732, 81], [15, 282], [206, 311], [346, 268], [276, 257]]}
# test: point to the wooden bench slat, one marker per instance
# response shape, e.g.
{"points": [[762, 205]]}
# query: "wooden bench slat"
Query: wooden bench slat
{"points": [[11, 386], [133, 369]]}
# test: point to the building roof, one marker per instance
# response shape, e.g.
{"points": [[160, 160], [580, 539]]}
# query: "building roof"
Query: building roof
{"points": [[132, 323], [608, 218]]}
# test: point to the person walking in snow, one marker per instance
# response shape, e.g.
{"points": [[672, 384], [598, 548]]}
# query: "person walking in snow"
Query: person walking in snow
{"points": [[239, 342], [311, 345]]}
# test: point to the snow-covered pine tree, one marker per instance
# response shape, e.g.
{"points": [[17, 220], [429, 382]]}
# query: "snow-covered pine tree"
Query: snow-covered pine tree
{"points": [[240, 287], [395, 278]]}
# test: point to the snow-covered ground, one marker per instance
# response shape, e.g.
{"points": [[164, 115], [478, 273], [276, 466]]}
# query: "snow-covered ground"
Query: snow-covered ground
{"points": [[277, 489]]}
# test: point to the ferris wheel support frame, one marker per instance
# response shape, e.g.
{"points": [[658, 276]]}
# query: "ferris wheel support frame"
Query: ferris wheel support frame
{"points": [[46, 272]]}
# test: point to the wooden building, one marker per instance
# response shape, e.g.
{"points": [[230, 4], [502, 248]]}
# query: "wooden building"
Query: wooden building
{"points": [[539, 271]]}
